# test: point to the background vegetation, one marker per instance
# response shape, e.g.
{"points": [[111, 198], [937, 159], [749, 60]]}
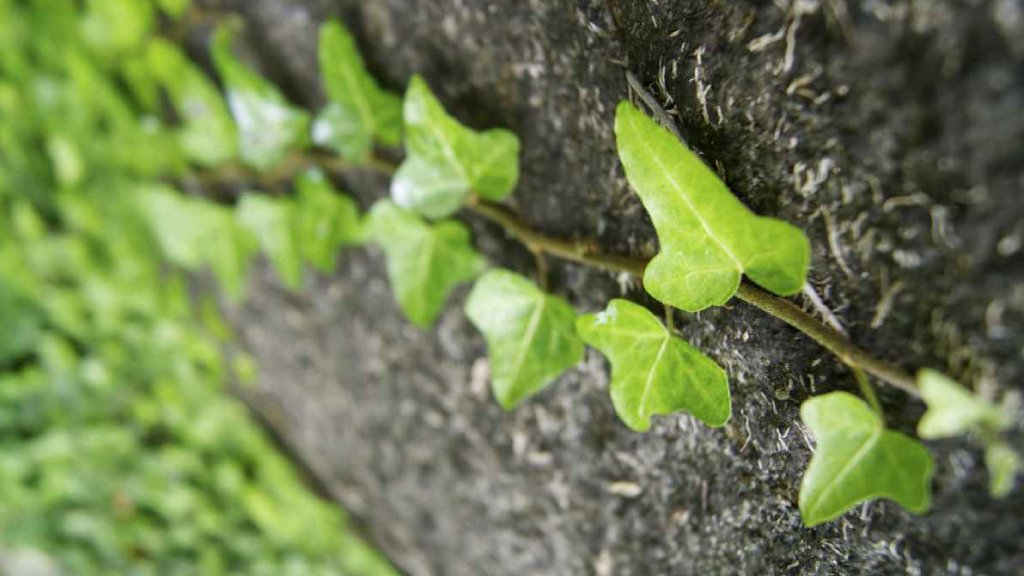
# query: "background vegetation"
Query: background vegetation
{"points": [[121, 449]]}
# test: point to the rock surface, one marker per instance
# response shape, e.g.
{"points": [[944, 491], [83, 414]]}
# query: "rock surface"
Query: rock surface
{"points": [[892, 132]]}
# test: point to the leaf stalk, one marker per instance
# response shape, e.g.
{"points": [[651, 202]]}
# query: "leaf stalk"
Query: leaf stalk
{"points": [[584, 252], [828, 337]]}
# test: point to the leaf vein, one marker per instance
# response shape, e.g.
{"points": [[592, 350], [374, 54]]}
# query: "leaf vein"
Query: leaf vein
{"points": [[689, 203], [648, 384], [862, 452], [528, 336]]}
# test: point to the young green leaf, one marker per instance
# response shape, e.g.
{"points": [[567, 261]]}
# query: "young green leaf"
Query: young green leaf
{"points": [[654, 372], [228, 249], [193, 232], [174, 8], [425, 262], [1003, 466], [171, 219], [117, 26], [272, 222], [708, 238], [269, 127], [531, 336], [360, 112], [446, 160], [858, 460], [325, 220], [22, 324], [208, 135], [66, 159], [954, 410]]}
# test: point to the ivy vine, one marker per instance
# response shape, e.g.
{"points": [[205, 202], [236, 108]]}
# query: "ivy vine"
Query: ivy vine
{"points": [[713, 249]]}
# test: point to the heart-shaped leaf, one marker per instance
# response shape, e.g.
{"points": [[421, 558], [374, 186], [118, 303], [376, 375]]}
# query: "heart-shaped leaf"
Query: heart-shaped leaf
{"points": [[954, 410], [531, 336], [269, 127], [325, 220], [208, 135], [272, 222], [654, 372], [445, 160], [425, 261], [192, 232], [708, 238], [359, 112], [858, 460]]}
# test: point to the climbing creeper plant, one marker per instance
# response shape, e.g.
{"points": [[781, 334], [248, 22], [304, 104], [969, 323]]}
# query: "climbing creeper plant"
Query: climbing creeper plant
{"points": [[713, 249], [124, 451]]}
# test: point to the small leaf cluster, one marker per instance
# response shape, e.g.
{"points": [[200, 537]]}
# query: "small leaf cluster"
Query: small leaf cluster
{"points": [[955, 411]]}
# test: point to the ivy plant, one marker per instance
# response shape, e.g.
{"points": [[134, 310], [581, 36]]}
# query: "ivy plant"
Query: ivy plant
{"points": [[653, 370], [325, 220], [1004, 465], [113, 27], [192, 233], [531, 336], [445, 160], [174, 8], [858, 459], [425, 261], [269, 126], [708, 238], [360, 112], [272, 222], [207, 132], [955, 411], [124, 451], [709, 241]]}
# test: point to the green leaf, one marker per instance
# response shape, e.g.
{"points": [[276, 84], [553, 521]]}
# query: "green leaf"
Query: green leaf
{"points": [[142, 83], [325, 220], [954, 410], [445, 160], [229, 252], [708, 238], [66, 159], [22, 324], [172, 219], [1003, 466], [174, 8], [208, 135], [269, 126], [425, 262], [272, 222], [360, 112], [531, 336], [654, 372], [858, 460], [117, 26], [193, 232]]}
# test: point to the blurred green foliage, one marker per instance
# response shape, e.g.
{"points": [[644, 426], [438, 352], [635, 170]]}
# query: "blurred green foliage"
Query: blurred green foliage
{"points": [[120, 450]]}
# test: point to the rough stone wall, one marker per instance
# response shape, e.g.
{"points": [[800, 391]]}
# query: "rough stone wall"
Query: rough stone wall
{"points": [[891, 131]]}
